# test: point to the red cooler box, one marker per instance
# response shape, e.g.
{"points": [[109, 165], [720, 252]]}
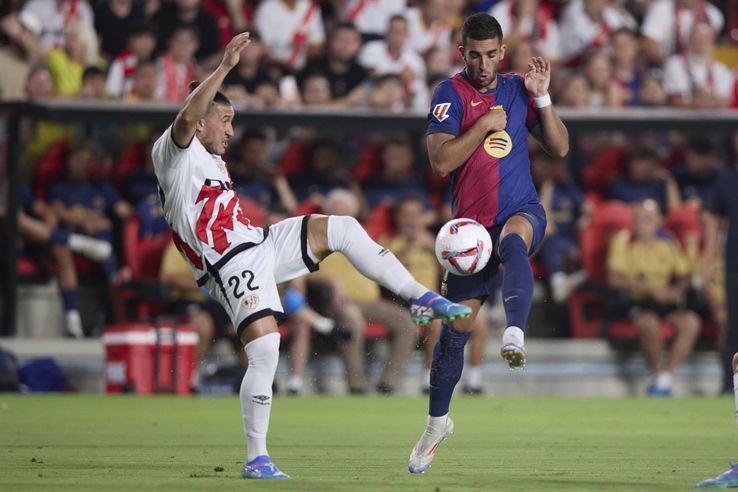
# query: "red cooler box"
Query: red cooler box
{"points": [[145, 358]]}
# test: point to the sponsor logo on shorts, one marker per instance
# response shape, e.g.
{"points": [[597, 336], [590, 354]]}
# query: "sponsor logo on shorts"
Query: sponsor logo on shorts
{"points": [[262, 400], [251, 301]]}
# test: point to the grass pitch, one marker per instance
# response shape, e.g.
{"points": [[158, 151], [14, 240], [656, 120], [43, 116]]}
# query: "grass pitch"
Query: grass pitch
{"points": [[354, 443]]}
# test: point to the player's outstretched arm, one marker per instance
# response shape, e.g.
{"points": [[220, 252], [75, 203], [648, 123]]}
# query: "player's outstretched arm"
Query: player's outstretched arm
{"points": [[197, 103], [551, 133]]}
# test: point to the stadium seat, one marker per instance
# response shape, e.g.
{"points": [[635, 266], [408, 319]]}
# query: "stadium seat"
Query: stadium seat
{"points": [[605, 166], [586, 313], [607, 219], [685, 224], [380, 222], [50, 167], [131, 158], [368, 164], [308, 206], [294, 159]]}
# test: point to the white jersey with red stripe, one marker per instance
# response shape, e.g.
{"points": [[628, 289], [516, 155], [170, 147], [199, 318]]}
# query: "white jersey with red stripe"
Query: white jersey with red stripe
{"points": [[199, 203]]}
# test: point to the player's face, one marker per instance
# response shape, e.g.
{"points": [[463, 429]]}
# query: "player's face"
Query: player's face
{"points": [[216, 129], [482, 60]]}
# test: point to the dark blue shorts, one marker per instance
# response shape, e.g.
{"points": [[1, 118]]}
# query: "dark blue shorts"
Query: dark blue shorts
{"points": [[481, 285]]}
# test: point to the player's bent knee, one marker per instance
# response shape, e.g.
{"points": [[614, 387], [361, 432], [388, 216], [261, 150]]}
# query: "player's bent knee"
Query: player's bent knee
{"points": [[258, 328]]}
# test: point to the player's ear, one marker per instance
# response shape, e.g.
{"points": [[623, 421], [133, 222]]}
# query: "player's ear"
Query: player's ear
{"points": [[201, 125], [503, 49], [461, 51]]}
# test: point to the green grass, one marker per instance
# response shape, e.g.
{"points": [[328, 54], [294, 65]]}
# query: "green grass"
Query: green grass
{"points": [[355, 443]]}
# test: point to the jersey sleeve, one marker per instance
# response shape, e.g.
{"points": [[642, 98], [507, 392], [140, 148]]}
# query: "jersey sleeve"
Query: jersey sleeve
{"points": [[446, 110], [165, 150]]}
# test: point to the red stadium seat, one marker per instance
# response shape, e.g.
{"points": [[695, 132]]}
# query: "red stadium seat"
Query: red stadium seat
{"points": [[380, 222], [50, 167], [685, 224], [586, 313], [369, 163], [130, 160], [607, 219], [294, 159], [308, 206], [607, 164]]}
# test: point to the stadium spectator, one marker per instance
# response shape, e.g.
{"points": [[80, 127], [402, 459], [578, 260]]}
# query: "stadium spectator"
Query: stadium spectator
{"points": [[344, 74], [397, 177], [115, 23], [652, 91], [428, 26], [646, 180], [323, 174], [37, 227], [292, 31], [242, 83], [627, 74], [145, 82], [388, 93], [693, 78], [394, 56], [177, 66], [364, 302], [574, 91], [529, 21], [93, 83], [372, 18], [253, 179], [16, 58], [172, 16], [587, 24], [697, 175], [667, 26], [83, 205], [519, 55], [654, 290], [598, 70], [438, 63], [316, 90], [140, 47], [566, 209], [56, 17]]}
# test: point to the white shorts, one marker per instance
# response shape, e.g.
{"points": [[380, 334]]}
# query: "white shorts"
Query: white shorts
{"points": [[245, 283]]}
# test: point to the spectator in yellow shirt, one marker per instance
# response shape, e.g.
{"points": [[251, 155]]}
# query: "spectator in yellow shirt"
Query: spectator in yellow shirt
{"points": [[653, 273]]}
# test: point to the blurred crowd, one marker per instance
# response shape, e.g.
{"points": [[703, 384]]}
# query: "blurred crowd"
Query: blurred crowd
{"points": [[90, 206], [365, 53]]}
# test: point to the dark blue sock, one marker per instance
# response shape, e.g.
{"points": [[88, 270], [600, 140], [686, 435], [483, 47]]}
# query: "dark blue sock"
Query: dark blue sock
{"points": [[69, 299], [448, 362], [59, 236], [517, 280]]}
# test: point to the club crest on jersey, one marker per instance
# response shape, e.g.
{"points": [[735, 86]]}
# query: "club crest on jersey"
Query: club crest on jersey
{"points": [[498, 144], [441, 111], [251, 301]]}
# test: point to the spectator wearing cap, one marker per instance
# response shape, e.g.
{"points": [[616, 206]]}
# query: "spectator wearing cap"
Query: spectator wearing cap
{"points": [[139, 47], [529, 20], [188, 13], [694, 78], [587, 24], [292, 31], [394, 56], [56, 17], [115, 22], [371, 17], [177, 67], [667, 26], [345, 75]]}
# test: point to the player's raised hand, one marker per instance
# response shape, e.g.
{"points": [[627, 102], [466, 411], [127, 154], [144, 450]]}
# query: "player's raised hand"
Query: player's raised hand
{"points": [[538, 76], [232, 53], [495, 119]]}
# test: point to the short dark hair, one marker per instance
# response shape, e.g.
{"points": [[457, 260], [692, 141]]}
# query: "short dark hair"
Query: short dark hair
{"points": [[92, 71], [643, 153], [349, 26], [142, 27], [397, 17], [219, 98], [480, 26], [700, 145]]}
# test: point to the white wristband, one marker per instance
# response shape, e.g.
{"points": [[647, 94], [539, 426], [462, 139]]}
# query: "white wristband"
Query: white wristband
{"points": [[543, 101]]}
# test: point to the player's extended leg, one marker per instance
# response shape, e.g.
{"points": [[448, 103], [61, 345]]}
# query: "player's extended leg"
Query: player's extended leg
{"points": [[327, 234], [517, 286], [728, 479], [261, 343], [448, 363]]}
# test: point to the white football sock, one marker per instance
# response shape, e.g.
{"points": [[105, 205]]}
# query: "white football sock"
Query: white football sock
{"points": [[433, 427], [513, 334], [94, 249], [323, 325], [474, 376], [559, 290], [735, 389], [294, 383], [74, 324], [346, 236], [256, 392]]}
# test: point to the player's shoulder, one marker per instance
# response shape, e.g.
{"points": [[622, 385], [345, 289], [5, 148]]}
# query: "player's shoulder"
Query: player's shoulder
{"points": [[514, 83], [449, 89]]}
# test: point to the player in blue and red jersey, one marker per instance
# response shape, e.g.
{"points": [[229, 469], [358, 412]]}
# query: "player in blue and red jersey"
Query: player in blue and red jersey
{"points": [[478, 133]]}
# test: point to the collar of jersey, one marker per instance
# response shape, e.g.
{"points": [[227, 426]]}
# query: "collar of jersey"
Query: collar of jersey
{"points": [[493, 90]]}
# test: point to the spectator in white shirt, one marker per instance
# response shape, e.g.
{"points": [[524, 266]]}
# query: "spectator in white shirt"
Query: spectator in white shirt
{"points": [[292, 31], [393, 56], [371, 17], [587, 24], [428, 26], [56, 16], [694, 78], [528, 20], [667, 25], [140, 46]]}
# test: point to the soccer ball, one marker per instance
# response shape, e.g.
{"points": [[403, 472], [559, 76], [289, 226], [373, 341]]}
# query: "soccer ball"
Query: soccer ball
{"points": [[463, 246]]}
